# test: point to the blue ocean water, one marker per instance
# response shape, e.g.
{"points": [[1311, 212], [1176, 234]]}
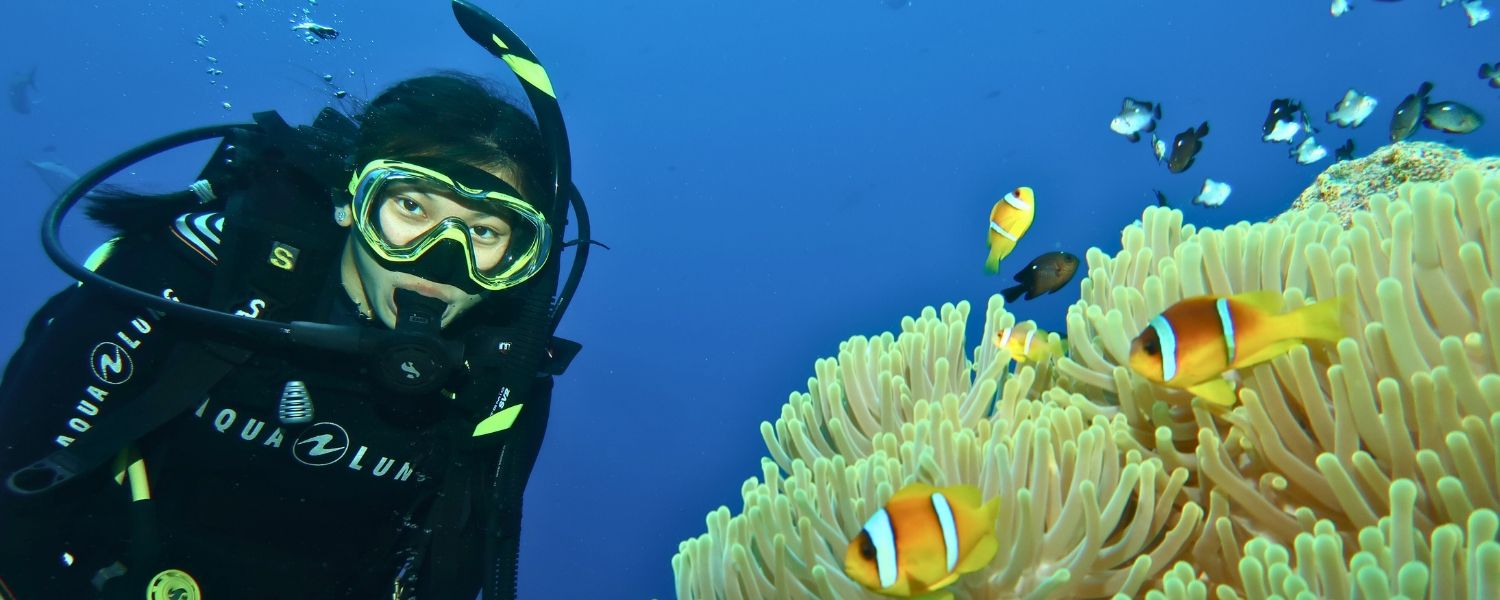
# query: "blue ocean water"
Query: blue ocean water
{"points": [[773, 176]]}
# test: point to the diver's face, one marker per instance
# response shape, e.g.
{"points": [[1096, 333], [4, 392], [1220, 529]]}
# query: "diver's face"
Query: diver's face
{"points": [[406, 212]]}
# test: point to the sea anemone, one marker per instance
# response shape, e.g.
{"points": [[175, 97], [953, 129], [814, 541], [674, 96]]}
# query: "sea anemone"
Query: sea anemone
{"points": [[1365, 468]]}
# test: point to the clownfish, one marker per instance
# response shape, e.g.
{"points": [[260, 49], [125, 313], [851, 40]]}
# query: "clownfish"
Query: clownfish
{"points": [[1032, 346], [923, 540], [1009, 220], [1192, 343]]}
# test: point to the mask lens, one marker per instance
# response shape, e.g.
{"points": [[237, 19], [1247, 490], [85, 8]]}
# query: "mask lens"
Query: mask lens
{"points": [[497, 238]]}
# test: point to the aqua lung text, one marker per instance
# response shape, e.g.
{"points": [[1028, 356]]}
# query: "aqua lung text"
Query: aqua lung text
{"points": [[321, 444], [112, 365]]}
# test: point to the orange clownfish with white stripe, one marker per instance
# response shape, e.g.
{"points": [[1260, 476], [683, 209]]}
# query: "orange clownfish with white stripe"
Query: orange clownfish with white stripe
{"points": [[1028, 344], [1192, 343], [923, 540], [1009, 220]]}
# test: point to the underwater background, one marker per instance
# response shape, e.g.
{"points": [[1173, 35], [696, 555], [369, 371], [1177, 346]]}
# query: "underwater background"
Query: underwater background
{"points": [[772, 176]]}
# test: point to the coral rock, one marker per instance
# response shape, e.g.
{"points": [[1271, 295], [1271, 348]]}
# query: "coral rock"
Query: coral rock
{"points": [[1347, 186]]}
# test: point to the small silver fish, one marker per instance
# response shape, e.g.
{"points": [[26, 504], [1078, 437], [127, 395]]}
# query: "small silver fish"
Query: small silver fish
{"points": [[1158, 148], [1284, 121], [1282, 131], [1339, 7], [1309, 152], [1214, 193], [1352, 110], [1476, 11], [1135, 117]]}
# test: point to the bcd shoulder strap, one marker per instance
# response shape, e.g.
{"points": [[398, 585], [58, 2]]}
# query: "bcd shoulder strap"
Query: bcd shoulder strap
{"points": [[277, 247], [279, 237]]}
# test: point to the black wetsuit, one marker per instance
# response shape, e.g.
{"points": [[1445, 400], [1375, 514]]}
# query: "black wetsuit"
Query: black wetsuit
{"points": [[249, 507]]}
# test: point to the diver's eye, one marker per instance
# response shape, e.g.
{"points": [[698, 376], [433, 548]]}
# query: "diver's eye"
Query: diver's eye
{"points": [[866, 547], [409, 206], [484, 233]]}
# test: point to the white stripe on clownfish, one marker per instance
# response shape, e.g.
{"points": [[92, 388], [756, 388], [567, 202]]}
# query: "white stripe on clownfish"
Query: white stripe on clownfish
{"points": [[1168, 342], [883, 536], [1003, 233], [950, 529], [1227, 323]]}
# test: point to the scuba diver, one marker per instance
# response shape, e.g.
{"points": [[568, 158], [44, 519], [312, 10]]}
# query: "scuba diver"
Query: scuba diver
{"points": [[324, 370]]}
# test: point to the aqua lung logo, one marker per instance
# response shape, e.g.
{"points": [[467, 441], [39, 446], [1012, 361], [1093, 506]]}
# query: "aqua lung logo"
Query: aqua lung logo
{"points": [[321, 445], [111, 363]]}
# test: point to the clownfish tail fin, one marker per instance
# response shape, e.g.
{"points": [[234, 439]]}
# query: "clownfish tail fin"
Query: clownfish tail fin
{"points": [[992, 264], [1320, 321]]}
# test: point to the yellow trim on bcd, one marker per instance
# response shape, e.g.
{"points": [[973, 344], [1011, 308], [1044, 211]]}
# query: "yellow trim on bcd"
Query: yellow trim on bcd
{"points": [[499, 421]]}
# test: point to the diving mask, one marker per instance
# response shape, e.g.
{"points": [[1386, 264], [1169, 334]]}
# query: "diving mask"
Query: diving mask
{"points": [[408, 216]]}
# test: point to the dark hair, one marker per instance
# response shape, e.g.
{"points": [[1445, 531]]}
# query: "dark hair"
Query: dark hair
{"points": [[448, 115], [457, 117]]}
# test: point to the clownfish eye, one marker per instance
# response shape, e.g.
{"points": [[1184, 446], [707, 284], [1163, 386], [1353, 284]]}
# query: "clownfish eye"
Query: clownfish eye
{"points": [[1151, 347], [866, 547]]}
